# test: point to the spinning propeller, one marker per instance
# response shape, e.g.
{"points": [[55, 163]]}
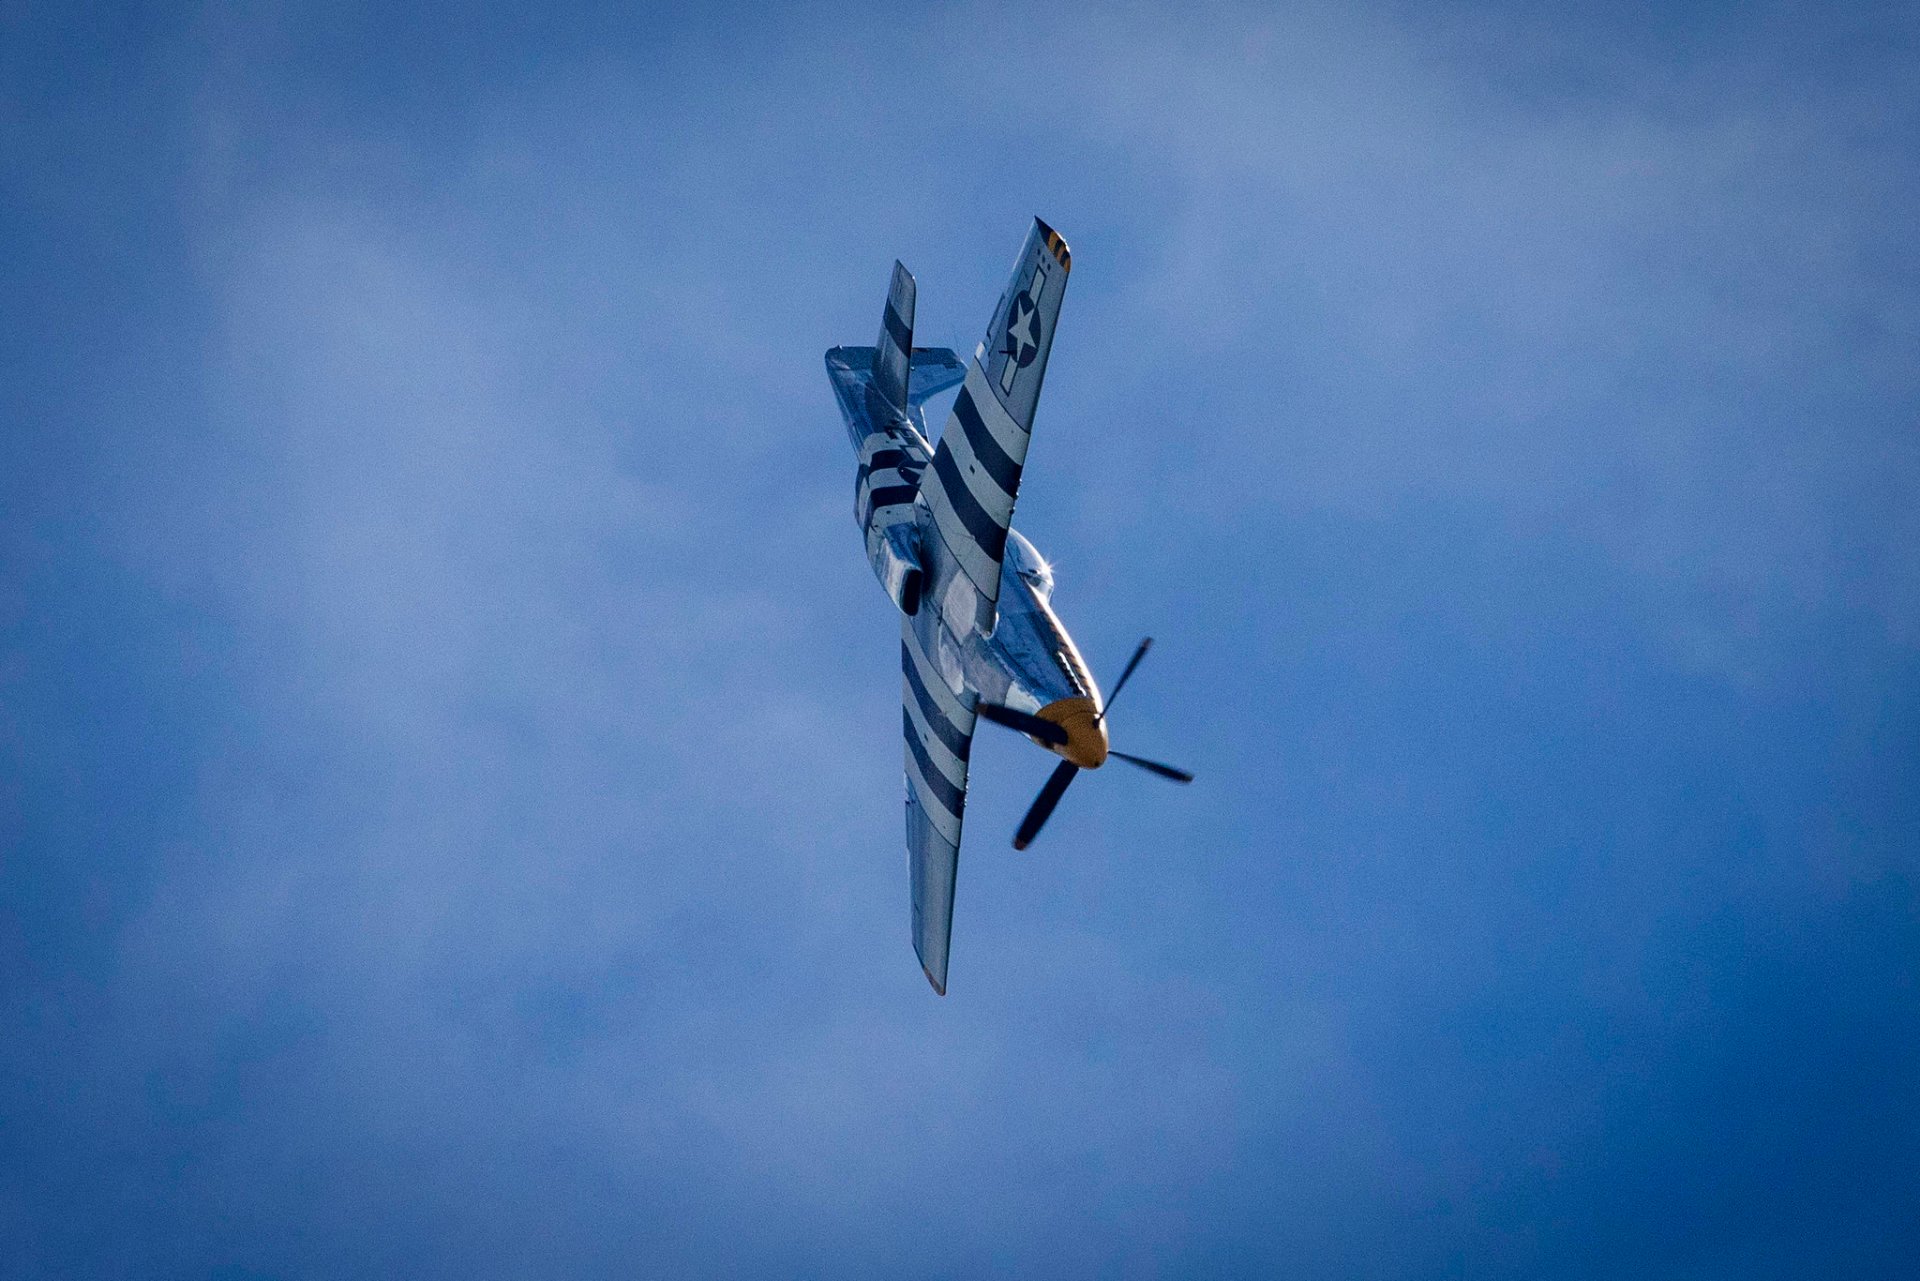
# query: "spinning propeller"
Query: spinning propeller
{"points": [[1050, 733]]}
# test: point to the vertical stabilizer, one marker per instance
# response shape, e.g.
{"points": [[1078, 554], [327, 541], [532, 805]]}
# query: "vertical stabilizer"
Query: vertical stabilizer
{"points": [[893, 353]]}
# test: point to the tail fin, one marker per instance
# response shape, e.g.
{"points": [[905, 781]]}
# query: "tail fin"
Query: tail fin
{"points": [[893, 353]]}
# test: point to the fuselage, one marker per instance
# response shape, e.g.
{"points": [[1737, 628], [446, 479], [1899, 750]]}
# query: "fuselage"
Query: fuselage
{"points": [[1028, 660], [978, 636], [1030, 663]]}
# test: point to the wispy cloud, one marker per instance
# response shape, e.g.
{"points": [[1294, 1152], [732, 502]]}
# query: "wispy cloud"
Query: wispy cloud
{"points": [[458, 786]]}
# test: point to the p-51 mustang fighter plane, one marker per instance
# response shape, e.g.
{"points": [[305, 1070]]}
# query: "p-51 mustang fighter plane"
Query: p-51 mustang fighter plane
{"points": [[978, 635]]}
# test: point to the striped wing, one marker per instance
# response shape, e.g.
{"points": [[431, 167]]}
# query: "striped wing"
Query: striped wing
{"points": [[970, 489], [965, 506], [938, 726]]}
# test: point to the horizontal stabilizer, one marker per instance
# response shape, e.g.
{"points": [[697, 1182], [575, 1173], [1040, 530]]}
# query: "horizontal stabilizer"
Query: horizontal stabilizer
{"points": [[935, 369]]}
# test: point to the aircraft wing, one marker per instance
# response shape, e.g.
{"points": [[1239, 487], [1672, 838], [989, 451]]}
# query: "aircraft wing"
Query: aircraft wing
{"points": [[970, 489], [939, 738], [965, 508]]}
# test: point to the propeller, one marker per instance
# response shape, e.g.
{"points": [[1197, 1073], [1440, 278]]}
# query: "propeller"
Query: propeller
{"points": [[1045, 731], [1063, 774], [1146, 644], [1153, 767], [1043, 804]]}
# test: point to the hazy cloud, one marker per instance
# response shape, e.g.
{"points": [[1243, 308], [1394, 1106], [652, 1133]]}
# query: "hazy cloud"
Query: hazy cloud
{"points": [[452, 814]]}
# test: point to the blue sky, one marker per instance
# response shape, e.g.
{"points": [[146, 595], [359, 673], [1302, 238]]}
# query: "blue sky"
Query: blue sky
{"points": [[449, 776]]}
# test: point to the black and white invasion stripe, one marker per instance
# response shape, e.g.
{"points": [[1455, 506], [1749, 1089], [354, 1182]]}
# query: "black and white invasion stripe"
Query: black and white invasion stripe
{"points": [[939, 737], [973, 482], [891, 464], [937, 726], [893, 350]]}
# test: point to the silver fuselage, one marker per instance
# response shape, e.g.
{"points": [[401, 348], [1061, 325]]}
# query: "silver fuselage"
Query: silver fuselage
{"points": [[1028, 660], [978, 635]]}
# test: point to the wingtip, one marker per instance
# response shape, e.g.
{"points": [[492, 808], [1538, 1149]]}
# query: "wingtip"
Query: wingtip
{"points": [[1056, 243], [939, 988]]}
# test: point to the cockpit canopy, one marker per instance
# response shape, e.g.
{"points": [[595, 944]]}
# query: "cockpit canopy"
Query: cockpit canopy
{"points": [[1023, 559]]}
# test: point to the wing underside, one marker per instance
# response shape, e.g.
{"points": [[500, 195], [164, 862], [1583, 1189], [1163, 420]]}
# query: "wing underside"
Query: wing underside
{"points": [[938, 728], [970, 489], [964, 512]]}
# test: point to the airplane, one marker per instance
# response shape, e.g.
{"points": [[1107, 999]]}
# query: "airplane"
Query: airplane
{"points": [[978, 634]]}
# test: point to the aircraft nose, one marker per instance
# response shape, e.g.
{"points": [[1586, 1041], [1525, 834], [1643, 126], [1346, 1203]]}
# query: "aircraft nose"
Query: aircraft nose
{"points": [[1086, 744]]}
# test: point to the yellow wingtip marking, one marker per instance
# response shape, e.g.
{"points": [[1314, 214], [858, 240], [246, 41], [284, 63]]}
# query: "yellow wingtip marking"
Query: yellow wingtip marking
{"points": [[1057, 246]]}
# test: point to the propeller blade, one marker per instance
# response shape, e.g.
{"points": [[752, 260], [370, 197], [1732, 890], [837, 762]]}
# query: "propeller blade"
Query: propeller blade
{"points": [[1045, 731], [1121, 684], [1043, 804], [1164, 771]]}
